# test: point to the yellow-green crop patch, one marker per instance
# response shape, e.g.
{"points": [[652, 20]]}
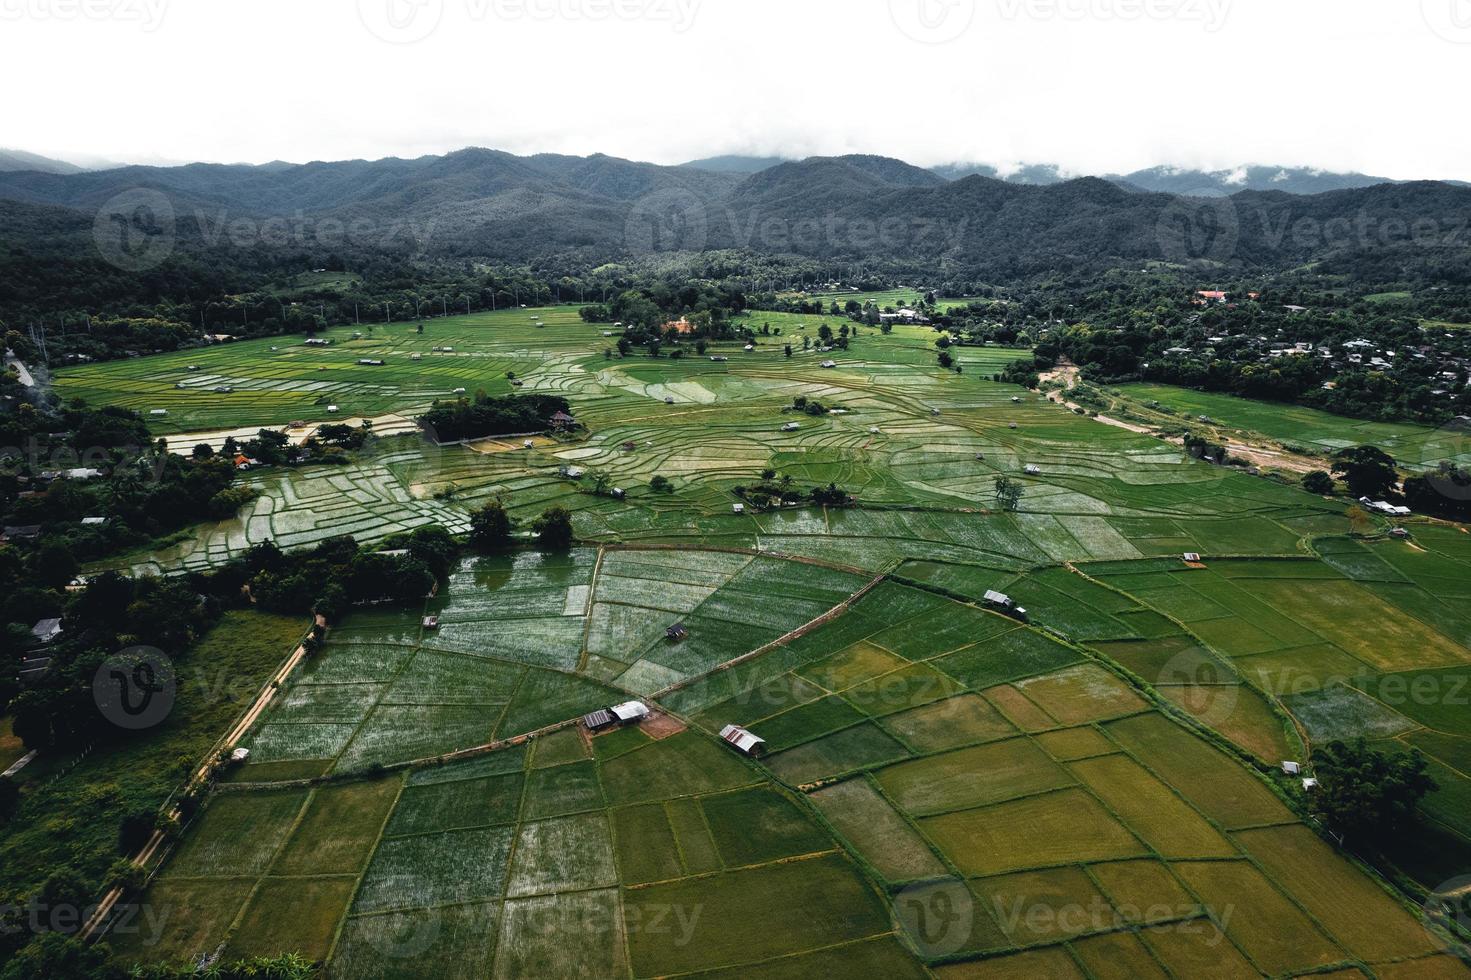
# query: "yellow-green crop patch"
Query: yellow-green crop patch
{"points": [[973, 777], [1054, 828]]}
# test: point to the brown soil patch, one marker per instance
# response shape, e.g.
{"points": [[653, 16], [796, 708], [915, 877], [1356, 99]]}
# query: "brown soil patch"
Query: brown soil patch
{"points": [[660, 725]]}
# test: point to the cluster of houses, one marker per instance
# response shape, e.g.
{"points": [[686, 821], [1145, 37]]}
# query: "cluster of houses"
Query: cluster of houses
{"points": [[1440, 366], [904, 315]]}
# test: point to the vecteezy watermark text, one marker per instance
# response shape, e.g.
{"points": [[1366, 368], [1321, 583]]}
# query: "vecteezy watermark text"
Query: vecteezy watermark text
{"points": [[147, 14]]}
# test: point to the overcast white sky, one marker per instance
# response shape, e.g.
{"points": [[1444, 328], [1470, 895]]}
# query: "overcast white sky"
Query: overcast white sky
{"points": [[1094, 85]]}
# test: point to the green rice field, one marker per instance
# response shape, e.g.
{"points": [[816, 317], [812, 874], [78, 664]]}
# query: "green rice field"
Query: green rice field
{"points": [[1412, 446], [1090, 790]]}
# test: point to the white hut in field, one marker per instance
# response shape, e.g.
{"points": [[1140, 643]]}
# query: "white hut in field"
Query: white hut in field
{"points": [[743, 741]]}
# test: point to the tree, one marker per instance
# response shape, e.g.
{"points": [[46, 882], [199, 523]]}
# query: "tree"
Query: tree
{"points": [[1367, 795], [52, 954], [554, 528], [1368, 470], [947, 361], [1008, 492], [135, 829], [435, 547], [9, 798], [62, 899], [600, 482], [660, 484], [203, 451], [1318, 482], [1358, 519], [332, 603], [54, 565], [490, 526]]}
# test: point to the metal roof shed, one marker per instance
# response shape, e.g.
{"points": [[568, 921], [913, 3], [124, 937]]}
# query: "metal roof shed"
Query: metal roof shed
{"points": [[743, 740]]}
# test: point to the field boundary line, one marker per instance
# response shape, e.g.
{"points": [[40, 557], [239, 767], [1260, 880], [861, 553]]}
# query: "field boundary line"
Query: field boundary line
{"points": [[785, 638], [592, 596]]}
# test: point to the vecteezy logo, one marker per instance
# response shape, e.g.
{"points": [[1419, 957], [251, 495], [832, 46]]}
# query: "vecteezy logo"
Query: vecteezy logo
{"points": [[421, 469], [932, 21], [666, 221], [1450, 19], [1447, 454], [135, 688], [134, 230], [410, 936], [1449, 906], [1201, 686], [937, 916], [400, 21], [1191, 228]]}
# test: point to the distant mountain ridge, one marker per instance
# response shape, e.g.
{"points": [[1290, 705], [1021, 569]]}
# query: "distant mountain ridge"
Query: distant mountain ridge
{"points": [[488, 203], [13, 160], [1164, 179]]}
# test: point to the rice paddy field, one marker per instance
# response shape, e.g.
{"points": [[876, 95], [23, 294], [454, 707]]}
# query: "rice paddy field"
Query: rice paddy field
{"points": [[978, 798], [1089, 789], [1412, 446]]}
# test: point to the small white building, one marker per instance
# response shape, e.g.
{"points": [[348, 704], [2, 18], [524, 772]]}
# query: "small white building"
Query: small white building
{"points": [[1032, 469], [791, 427], [1291, 768], [1191, 556], [46, 630], [630, 711], [332, 409], [737, 508], [742, 740]]}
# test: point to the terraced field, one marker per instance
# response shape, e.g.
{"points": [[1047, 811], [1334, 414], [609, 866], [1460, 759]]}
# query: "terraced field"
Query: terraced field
{"points": [[1113, 758]]}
